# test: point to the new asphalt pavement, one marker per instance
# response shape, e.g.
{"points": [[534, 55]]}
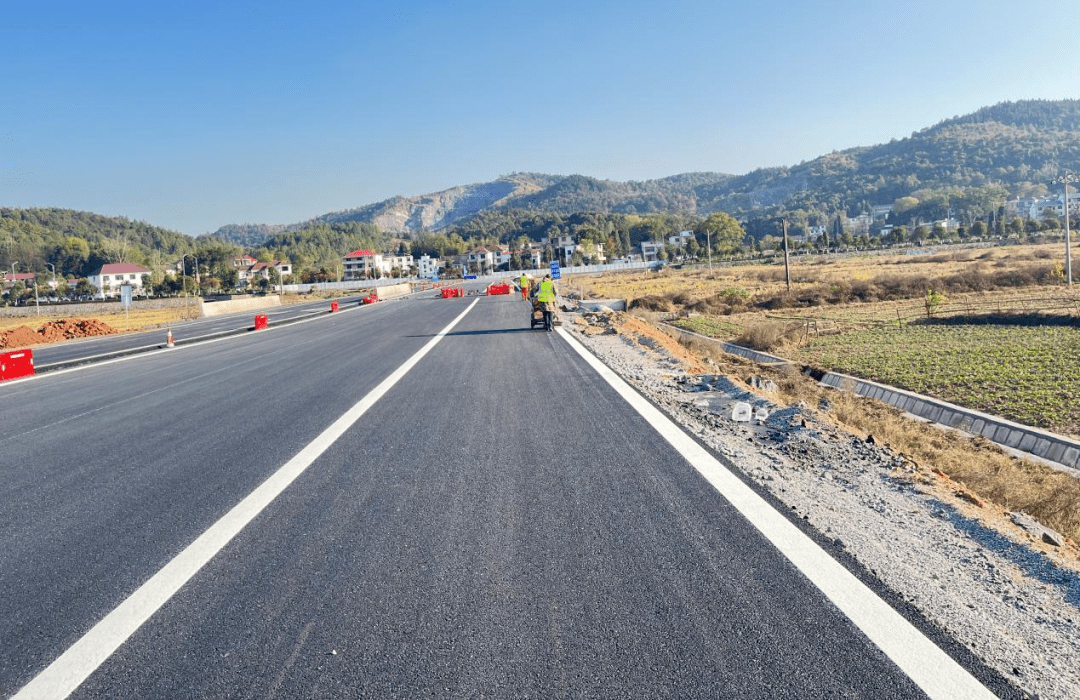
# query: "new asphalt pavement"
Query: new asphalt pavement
{"points": [[495, 521]]}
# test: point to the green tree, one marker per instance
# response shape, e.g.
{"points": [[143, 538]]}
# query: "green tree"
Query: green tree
{"points": [[724, 231]]}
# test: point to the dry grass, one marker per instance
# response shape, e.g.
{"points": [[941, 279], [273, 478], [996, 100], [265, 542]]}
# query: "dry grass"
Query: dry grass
{"points": [[974, 466], [137, 320], [880, 286], [755, 299]]}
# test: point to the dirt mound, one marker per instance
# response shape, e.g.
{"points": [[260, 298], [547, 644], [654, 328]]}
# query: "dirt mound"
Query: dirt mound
{"points": [[68, 328], [54, 331], [18, 337]]}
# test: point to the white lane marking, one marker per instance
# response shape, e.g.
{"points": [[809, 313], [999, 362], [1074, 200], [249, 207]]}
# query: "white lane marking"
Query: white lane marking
{"points": [[75, 665], [134, 354], [939, 676]]}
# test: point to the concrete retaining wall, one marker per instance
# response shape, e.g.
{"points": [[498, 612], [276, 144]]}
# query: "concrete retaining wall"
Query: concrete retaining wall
{"points": [[1054, 448], [251, 303], [89, 309], [394, 290], [595, 305]]}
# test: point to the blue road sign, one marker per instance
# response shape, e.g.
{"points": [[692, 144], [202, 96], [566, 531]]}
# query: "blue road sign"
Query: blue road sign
{"points": [[555, 274]]}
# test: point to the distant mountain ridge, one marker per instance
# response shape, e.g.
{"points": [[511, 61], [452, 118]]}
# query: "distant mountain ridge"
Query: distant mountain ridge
{"points": [[1018, 145]]}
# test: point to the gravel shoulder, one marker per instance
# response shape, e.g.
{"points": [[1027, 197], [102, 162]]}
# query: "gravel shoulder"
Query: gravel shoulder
{"points": [[968, 567]]}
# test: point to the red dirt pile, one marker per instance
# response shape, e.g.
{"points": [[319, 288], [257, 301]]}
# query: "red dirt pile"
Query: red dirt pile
{"points": [[54, 331]]}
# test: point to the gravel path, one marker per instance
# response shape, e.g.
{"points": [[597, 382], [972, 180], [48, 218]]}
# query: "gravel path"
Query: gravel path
{"points": [[972, 573]]}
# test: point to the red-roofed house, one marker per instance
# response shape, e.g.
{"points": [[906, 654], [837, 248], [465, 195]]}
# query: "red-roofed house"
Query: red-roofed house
{"points": [[26, 278], [361, 264], [111, 277]]}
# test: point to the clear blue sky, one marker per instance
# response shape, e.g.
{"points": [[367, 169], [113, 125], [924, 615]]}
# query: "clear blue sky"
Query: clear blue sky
{"points": [[192, 115]]}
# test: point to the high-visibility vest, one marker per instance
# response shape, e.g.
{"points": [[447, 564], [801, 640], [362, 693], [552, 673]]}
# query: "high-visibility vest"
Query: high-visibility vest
{"points": [[547, 291], [524, 282]]}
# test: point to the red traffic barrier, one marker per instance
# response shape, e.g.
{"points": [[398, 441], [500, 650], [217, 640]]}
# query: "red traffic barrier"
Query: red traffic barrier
{"points": [[494, 289], [371, 299], [260, 322], [16, 364], [333, 306]]}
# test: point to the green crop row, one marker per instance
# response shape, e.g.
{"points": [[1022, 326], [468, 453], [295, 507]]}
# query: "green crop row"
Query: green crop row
{"points": [[1028, 374]]}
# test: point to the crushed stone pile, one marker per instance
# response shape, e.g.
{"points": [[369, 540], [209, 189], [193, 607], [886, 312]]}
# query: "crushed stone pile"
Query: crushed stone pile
{"points": [[54, 331]]}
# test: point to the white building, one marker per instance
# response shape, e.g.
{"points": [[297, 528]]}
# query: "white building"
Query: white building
{"points": [[480, 257], [679, 239], [428, 267], [110, 278], [362, 264]]}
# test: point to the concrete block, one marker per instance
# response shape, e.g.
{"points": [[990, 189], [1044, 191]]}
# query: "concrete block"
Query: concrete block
{"points": [[946, 417], [1056, 451], [935, 413], [1015, 437], [1071, 455], [1042, 445], [977, 426], [1001, 434], [1028, 443], [963, 422]]}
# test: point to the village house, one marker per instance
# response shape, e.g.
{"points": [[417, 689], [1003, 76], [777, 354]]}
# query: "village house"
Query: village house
{"points": [[110, 278]]}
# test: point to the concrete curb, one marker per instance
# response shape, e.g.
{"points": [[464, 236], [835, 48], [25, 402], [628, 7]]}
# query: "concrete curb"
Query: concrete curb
{"points": [[762, 358], [1061, 451], [1045, 445]]}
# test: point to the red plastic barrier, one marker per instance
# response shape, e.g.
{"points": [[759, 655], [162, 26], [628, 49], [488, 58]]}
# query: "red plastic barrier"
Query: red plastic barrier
{"points": [[15, 364], [370, 300], [333, 306], [260, 322], [498, 289]]}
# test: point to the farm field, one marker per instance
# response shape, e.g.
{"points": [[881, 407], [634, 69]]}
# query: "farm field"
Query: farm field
{"points": [[1025, 373], [992, 329]]}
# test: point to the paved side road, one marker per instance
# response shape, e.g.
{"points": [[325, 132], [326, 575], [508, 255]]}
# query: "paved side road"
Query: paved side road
{"points": [[498, 524]]}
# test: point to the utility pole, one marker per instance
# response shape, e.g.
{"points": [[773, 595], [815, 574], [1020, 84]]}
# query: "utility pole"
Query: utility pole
{"points": [[787, 268], [1066, 179]]}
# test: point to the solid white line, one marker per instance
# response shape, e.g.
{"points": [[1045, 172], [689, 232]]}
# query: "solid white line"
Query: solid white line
{"points": [[939, 676], [195, 342], [75, 665]]}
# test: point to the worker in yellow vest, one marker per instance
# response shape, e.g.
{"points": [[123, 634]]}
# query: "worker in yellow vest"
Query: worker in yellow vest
{"points": [[524, 286], [545, 296]]}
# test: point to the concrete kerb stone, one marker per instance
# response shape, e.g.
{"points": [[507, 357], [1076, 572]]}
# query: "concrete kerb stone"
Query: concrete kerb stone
{"points": [[1047, 446]]}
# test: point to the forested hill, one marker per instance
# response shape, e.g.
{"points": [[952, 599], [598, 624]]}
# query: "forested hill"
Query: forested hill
{"points": [[1012, 147], [77, 243]]}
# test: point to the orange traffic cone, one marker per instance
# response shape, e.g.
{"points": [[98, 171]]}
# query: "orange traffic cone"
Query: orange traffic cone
{"points": [[170, 343]]}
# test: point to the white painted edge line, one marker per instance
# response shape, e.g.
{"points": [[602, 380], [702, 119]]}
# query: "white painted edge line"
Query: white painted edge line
{"points": [[75, 665], [135, 354], [934, 671]]}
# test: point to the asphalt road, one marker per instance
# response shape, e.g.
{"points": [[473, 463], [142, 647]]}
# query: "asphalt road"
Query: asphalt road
{"points": [[47, 357], [498, 523]]}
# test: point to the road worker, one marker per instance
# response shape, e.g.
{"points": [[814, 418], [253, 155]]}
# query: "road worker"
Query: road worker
{"points": [[545, 298], [524, 286]]}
